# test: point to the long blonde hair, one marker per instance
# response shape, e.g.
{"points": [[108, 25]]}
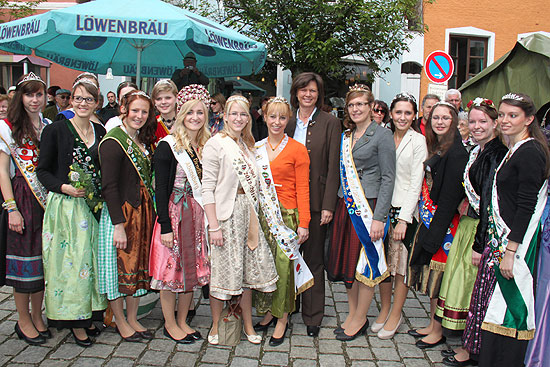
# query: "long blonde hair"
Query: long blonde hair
{"points": [[181, 136], [247, 131]]}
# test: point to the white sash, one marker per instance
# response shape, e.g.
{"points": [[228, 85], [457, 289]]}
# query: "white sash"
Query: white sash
{"points": [[187, 164], [473, 197], [286, 238]]}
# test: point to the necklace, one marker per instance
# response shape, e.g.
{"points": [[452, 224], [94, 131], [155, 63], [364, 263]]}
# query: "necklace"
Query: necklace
{"points": [[83, 135], [276, 146], [168, 122]]}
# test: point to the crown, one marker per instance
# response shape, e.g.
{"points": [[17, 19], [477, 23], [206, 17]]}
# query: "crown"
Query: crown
{"points": [[277, 100], [192, 92], [443, 103], [405, 95], [513, 96], [359, 88], [139, 93], [480, 101], [237, 97], [30, 77], [85, 81], [164, 81]]}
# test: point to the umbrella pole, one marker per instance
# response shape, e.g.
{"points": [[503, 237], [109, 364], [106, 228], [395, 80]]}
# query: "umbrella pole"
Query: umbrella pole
{"points": [[138, 66]]}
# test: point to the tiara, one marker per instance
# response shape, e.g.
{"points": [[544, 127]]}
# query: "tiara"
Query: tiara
{"points": [[164, 81], [30, 77], [480, 101], [359, 88], [405, 95], [85, 81], [237, 97], [513, 96], [84, 74], [277, 100], [444, 103], [139, 93], [193, 92]]}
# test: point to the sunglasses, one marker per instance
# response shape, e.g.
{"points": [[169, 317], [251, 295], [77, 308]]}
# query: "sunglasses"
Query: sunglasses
{"points": [[378, 110], [63, 97]]}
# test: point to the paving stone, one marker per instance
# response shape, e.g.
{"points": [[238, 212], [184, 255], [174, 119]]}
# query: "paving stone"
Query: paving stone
{"points": [[329, 322], [306, 341], [7, 327], [412, 302], [88, 362], [331, 360], [127, 349], [417, 322], [404, 338], [380, 343], [5, 313], [358, 353], [184, 359], [153, 357], [98, 350], [107, 337], [299, 329], [4, 360], [303, 352], [67, 351], [249, 350], [342, 306], [164, 345], [11, 347], [275, 359], [304, 363], [33, 354], [390, 364], [8, 305], [416, 362], [216, 356], [330, 346], [358, 342], [59, 363], [435, 355], [244, 362], [410, 351], [415, 312], [327, 333], [363, 364], [120, 362], [56, 339], [385, 354], [330, 311]]}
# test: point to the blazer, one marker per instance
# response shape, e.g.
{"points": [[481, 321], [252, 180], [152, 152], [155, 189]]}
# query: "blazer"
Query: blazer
{"points": [[374, 158], [323, 146], [219, 180], [409, 173]]}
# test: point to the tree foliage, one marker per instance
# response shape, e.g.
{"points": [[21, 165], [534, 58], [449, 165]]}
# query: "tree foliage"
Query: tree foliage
{"points": [[10, 10], [313, 35]]}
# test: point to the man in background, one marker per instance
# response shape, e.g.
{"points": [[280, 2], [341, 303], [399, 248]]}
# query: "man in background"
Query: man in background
{"points": [[190, 74]]}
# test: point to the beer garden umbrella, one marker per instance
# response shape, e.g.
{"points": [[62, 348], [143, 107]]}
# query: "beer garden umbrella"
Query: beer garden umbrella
{"points": [[145, 38]]}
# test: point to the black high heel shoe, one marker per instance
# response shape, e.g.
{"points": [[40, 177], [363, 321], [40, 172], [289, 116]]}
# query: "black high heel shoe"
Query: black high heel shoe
{"points": [[261, 327], [93, 332], [188, 339], [346, 338], [83, 343], [47, 334], [274, 342], [31, 341]]}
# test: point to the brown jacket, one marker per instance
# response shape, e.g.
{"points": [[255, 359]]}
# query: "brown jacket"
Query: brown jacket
{"points": [[323, 145]]}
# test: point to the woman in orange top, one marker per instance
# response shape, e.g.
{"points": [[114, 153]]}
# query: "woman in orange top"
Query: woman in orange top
{"points": [[284, 198]]}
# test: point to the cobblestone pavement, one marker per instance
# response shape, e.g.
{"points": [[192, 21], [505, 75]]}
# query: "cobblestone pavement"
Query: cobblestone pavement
{"points": [[298, 350]]}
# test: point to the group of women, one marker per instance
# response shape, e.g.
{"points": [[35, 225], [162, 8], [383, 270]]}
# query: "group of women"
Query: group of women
{"points": [[173, 202]]}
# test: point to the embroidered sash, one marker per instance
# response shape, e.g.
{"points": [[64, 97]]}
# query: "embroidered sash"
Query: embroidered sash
{"points": [[26, 159], [190, 163], [371, 268], [473, 197], [161, 132], [426, 211], [286, 238], [139, 160], [511, 309], [83, 158], [246, 171]]}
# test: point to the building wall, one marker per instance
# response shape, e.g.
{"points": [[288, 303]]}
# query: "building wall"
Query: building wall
{"points": [[506, 19]]}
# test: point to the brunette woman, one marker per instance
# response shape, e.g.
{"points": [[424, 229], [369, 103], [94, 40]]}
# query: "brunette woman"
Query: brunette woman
{"points": [[367, 172], [164, 97], [441, 194], [411, 152], [126, 223], [216, 118], [284, 198], [380, 113], [518, 199], [68, 167], [179, 255], [25, 199], [239, 254]]}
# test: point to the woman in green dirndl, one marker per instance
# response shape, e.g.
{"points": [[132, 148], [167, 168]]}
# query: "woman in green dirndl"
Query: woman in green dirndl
{"points": [[68, 167]]}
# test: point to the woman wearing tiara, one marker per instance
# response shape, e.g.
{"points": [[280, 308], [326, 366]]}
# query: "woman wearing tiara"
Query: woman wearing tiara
{"points": [[239, 254], [367, 173], [68, 166], [25, 202], [518, 199], [126, 224], [284, 197]]}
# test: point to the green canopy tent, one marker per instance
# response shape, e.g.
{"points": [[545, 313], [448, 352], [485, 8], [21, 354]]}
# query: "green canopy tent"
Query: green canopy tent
{"points": [[524, 69]]}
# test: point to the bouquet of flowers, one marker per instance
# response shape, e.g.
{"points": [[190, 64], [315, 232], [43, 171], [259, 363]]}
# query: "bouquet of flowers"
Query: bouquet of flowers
{"points": [[80, 179]]}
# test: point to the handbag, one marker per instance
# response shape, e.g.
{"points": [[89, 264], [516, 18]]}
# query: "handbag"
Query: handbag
{"points": [[230, 324]]}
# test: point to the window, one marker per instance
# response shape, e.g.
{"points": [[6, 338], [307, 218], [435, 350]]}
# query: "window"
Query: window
{"points": [[469, 56]]}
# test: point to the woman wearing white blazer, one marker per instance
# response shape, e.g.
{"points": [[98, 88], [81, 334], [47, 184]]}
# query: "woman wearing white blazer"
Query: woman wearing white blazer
{"points": [[411, 152]]}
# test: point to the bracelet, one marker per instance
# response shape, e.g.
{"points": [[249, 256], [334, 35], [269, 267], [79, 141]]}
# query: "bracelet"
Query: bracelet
{"points": [[511, 250], [12, 210], [214, 229], [8, 203]]}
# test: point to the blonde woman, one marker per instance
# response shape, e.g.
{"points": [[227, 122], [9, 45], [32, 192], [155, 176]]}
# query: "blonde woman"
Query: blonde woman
{"points": [[178, 262]]}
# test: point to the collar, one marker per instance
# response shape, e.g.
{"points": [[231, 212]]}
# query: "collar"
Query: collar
{"points": [[311, 117]]}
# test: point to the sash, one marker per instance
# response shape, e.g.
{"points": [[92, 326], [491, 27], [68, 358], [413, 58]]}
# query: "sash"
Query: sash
{"points": [[426, 211], [286, 238], [473, 197], [247, 173], [139, 160], [26, 159], [190, 163], [161, 131], [83, 158], [371, 267], [511, 309]]}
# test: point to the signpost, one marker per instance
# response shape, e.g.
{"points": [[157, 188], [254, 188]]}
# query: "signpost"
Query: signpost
{"points": [[439, 67]]}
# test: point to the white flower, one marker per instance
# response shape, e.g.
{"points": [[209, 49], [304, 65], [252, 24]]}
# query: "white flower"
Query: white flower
{"points": [[74, 176]]}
